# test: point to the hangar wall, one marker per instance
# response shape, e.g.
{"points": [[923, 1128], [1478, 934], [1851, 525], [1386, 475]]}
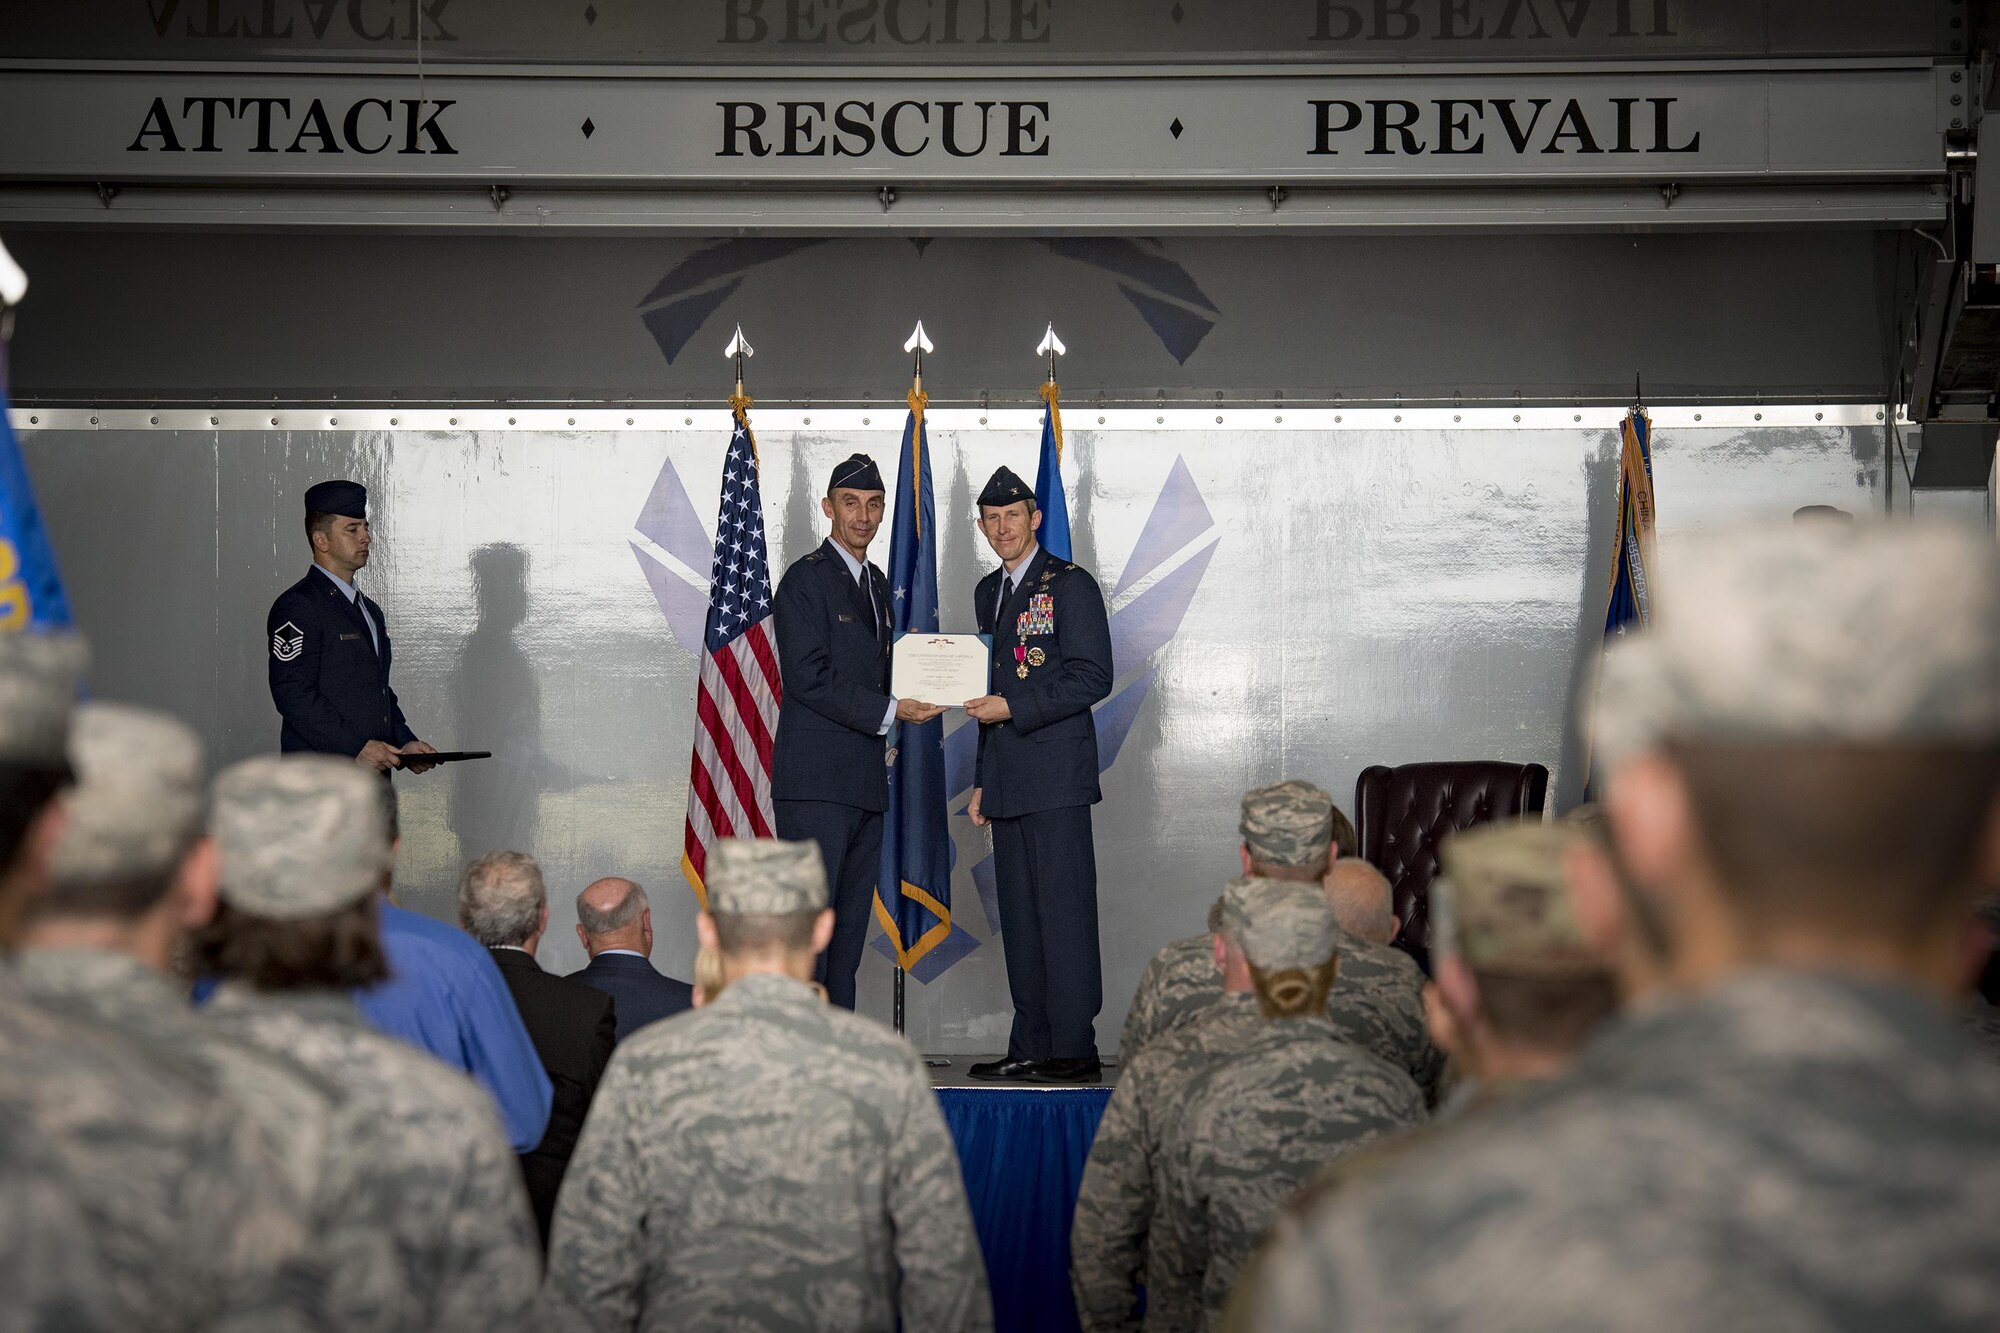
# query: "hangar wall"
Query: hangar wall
{"points": [[1292, 596]]}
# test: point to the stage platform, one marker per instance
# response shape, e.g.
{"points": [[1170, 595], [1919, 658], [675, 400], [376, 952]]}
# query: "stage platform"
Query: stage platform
{"points": [[1021, 1147]]}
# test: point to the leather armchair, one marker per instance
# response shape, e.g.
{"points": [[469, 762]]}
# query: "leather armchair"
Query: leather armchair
{"points": [[1403, 813]]}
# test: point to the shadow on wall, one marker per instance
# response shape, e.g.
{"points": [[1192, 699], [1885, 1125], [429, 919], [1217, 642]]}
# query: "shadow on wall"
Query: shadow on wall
{"points": [[497, 705]]}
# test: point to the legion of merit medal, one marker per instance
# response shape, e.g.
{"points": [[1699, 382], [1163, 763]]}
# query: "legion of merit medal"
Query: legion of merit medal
{"points": [[1020, 655]]}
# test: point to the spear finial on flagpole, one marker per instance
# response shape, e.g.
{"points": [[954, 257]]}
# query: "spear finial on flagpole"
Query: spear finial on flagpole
{"points": [[919, 343], [739, 347], [1051, 347], [1638, 394]]}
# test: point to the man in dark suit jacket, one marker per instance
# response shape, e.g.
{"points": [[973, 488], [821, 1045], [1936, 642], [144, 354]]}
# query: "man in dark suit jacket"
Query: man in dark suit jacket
{"points": [[329, 646], [615, 924], [1035, 784], [829, 781], [503, 904]]}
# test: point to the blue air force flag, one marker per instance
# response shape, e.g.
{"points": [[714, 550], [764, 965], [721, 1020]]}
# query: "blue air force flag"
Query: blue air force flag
{"points": [[31, 592], [913, 894], [1054, 534], [1631, 599]]}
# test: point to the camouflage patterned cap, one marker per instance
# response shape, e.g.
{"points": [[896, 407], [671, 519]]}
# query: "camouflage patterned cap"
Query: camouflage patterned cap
{"points": [[1787, 633], [137, 802], [1290, 824], [765, 877], [38, 676], [1504, 906], [1280, 924], [300, 835]]}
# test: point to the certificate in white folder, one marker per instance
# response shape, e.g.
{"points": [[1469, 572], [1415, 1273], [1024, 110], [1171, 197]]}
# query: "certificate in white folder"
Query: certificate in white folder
{"points": [[945, 669]]}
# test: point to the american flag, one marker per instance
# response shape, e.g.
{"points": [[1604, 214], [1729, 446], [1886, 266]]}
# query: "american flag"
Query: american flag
{"points": [[736, 710]]}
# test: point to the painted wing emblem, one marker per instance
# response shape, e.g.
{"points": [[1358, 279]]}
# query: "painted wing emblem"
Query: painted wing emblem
{"points": [[287, 642]]}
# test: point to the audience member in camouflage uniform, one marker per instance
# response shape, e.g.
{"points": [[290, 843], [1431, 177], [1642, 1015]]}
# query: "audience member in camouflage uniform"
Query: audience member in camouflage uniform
{"points": [[1288, 833], [1257, 1123], [1802, 762], [766, 1161], [303, 843], [1519, 990], [1113, 1246], [172, 1208]]}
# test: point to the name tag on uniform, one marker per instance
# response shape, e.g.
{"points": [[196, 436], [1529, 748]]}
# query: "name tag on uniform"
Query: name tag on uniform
{"points": [[843, 618], [345, 637]]}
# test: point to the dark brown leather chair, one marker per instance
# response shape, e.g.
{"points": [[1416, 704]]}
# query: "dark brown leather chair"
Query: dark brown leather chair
{"points": [[1403, 813]]}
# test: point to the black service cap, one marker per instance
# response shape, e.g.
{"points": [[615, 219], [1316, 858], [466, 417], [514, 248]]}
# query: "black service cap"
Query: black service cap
{"points": [[858, 473], [349, 499], [1004, 488]]}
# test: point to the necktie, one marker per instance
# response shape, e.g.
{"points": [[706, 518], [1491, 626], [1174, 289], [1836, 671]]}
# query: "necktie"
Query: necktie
{"points": [[1006, 596], [874, 608]]}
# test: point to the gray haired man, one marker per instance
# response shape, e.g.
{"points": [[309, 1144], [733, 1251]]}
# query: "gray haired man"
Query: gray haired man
{"points": [[1802, 777], [304, 851], [705, 1194], [503, 904]]}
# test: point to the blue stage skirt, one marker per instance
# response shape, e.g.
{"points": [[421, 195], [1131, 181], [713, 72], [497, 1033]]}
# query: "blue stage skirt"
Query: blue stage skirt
{"points": [[1022, 1151]]}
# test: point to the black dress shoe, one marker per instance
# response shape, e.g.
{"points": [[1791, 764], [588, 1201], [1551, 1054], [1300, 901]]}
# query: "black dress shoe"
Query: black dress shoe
{"points": [[1087, 1069], [1002, 1069]]}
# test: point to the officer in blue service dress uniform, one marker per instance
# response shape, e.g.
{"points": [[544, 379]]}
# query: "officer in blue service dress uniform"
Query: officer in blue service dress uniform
{"points": [[1037, 779], [329, 646], [829, 778]]}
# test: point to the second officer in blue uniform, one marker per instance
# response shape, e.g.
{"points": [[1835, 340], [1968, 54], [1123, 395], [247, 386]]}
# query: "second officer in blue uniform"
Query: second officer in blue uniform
{"points": [[1037, 780], [329, 646], [829, 778]]}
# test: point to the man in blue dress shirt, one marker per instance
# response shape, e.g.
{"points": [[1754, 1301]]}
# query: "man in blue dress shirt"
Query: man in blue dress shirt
{"points": [[445, 995], [329, 646], [829, 781]]}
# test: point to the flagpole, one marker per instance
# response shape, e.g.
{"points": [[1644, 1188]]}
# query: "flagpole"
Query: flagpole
{"points": [[918, 344]]}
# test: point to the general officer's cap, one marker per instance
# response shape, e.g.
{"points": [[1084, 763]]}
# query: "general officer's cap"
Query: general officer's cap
{"points": [[300, 835], [1875, 633], [1505, 901], [1004, 488], [136, 806], [349, 499], [765, 877], [1280, 924], [857, 473], [38, 676]]}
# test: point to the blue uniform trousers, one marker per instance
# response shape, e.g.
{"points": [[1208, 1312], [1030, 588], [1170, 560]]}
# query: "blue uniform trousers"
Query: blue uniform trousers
{"points": [[850, 842], [1047, 874]]}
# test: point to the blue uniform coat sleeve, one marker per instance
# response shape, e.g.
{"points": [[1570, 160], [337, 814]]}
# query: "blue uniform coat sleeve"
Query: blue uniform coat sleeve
{"points": [[1083, 634], [295, 683], [805, 662]]}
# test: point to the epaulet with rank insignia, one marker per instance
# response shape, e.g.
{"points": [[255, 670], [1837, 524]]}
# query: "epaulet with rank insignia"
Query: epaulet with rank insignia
{"points": [[817, 553]]}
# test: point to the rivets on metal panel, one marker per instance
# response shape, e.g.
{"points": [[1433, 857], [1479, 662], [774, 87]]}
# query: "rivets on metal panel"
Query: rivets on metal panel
{"points": [[1399, 417], [453, 421], [333, 421], [982, 421], [1100, 421], [1756, 416], [1456, 417], [510, 421], [1218, 421], [807, 421], [392, 421], [1878, 415], [34, 421], [155, 420], [1279, 420], [93, 421], [1819, 416], [215, 421], [864, 421], [274, 420], [572, 421], [1159, 421], [1697, 416], [1336, 419], [1577, 417], [1517, 416]]}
